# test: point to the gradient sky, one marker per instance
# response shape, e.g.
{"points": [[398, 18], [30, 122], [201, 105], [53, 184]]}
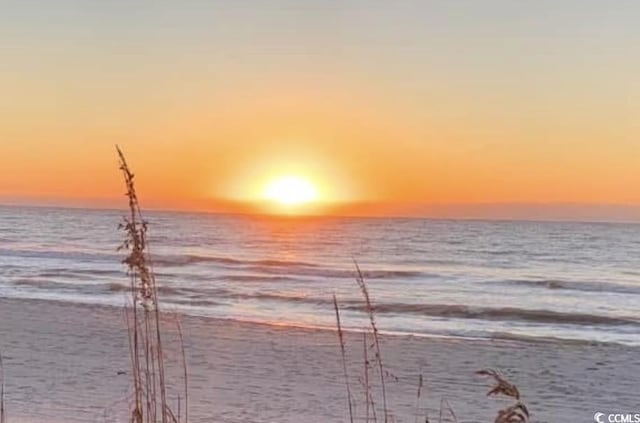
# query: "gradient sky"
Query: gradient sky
{"points": [[391, 107]]}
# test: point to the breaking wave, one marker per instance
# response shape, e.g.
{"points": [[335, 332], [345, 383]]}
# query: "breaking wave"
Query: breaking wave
{"points": [[499, 313], [183, 260], [278, 267], [586, 286]]}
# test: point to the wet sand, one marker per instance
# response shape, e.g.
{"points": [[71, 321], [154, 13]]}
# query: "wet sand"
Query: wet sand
{"points": [[62, 362]]}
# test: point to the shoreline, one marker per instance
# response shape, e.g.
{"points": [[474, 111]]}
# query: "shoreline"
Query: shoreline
{"points": [[62, 362], [499, 338]]}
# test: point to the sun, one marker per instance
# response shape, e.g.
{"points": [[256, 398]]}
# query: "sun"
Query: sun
{"points": [[290, 190]]}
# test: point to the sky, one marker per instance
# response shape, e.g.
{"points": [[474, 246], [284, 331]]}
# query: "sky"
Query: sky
{"points": [[451, 108]]}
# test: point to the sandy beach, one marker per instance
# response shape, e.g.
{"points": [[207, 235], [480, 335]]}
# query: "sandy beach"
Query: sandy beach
{"points": [[62, 362]]}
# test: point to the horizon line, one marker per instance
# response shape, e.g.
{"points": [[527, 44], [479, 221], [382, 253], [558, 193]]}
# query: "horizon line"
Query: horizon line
{"points": [[634, 218]]}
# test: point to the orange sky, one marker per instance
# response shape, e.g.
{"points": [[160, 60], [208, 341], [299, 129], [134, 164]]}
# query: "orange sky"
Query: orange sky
{"points": [[383, 113]]}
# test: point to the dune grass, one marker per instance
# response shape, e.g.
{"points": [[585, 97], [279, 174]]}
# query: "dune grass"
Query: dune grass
{"points": [[344, 358], [515, 413], [3, 417], [144, 323]]}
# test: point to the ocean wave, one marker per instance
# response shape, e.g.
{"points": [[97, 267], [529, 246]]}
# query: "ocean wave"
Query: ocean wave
{"points": [[347, 274], [507, 336], [256, 278], [211, 296], [220, 293], [183, 260], [78, 273], [586, 286], [93, 288], [271, 267], [433, 310], [47, 284], [196, 303], [58, 254], [498, 313], [162, 289]]}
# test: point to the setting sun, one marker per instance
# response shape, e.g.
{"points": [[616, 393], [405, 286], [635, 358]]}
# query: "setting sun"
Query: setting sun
{"points": [[290, 190]]}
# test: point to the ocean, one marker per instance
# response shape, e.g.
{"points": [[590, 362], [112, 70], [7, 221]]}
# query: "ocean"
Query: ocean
{"points": [[570, 282]]}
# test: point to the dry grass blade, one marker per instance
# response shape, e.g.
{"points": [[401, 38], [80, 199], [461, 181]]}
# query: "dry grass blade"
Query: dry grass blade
{"points": [[185, 375], [344, 357], [2, 410], [370, 405], [502, 386], [518, 412], [376, 341], [445, 406], [419, 395]]}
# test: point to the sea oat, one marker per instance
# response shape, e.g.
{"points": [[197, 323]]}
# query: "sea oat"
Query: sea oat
{"points": [[344, 357], [145, 335], [376, 341], [2, 411], [418, 396], [516, 413], [502, 386]]}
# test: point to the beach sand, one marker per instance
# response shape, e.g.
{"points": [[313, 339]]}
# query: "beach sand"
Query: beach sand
{"points": [[62, 362]]}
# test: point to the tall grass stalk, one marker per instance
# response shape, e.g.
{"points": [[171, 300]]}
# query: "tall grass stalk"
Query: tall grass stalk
{"points": [[144, 318], [368, 399], [3, 416], [418, 396], [515, 413], [185, 375], [374, 330], [344, 357]]}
